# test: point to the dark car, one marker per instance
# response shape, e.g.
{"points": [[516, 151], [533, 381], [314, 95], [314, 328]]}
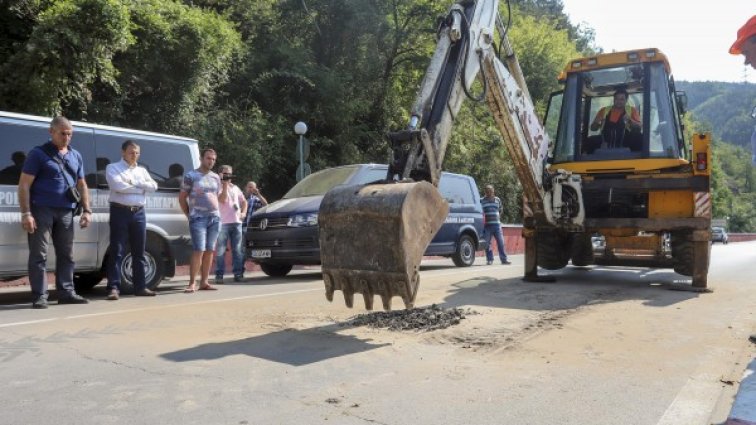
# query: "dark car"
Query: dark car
{"points": [[285, 233], [718, 234]]}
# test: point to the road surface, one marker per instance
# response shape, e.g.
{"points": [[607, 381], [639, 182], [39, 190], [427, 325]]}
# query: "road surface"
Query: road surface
{"points": [[600, 346]]}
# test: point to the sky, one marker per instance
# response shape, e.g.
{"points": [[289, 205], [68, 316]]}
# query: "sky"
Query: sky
{"points": [[694, 34]]}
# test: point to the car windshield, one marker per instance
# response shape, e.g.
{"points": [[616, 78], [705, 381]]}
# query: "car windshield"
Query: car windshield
{"points": [[717, 230], [321, 182]]}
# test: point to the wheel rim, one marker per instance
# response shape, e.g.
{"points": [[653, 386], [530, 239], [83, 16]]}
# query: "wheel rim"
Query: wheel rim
{"points": [[466, 251], [149, 270]]}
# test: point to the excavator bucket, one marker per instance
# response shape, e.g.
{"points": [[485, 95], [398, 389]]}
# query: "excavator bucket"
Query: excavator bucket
{"points": [[372, 239]]}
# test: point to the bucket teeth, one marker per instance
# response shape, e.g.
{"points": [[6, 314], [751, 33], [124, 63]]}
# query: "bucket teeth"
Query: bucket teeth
{"points": [[328, 287], [369, 284], [348, 297], [383, 262], [386, 302]]}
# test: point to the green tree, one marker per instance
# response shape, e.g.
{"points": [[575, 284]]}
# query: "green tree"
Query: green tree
{"points": [[69, 50], [170, 78]]}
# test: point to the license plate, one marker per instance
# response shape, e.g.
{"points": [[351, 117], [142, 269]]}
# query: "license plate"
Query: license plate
{"points": [[260, 253]]}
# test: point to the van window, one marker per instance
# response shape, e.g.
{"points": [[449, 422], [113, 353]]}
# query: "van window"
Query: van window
{"points": [[17, 139], [166, 161], [455, 189]]}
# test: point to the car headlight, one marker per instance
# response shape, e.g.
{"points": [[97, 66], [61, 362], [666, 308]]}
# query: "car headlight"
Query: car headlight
{"points": [[303, 220]]}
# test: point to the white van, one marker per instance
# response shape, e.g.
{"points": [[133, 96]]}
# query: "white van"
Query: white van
{"points": [[165, 157]]}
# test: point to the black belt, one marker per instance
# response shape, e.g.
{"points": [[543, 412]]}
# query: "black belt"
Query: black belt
{"points": [[127, 207]]}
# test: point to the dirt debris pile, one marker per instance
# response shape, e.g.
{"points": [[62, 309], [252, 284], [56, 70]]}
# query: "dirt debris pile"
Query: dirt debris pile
{"points": [[419, 319]]}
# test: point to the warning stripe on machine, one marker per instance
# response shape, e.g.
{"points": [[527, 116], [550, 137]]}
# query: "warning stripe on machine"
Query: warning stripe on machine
{"points": [[703, 204]]}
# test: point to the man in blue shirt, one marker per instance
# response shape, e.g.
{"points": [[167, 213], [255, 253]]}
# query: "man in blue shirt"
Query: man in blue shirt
{"points": [[491, 211], [255, 200], [45, 196]]}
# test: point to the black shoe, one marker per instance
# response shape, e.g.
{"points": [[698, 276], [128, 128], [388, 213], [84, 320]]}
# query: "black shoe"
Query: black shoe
{"points": [[239, 278], [40, 303], [751, 338], [144, 293], [73, 299], [506, 262]]}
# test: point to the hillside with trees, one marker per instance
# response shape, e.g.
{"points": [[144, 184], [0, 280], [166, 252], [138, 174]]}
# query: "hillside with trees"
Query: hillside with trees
{"points": [[724, 109], [238, 74]]}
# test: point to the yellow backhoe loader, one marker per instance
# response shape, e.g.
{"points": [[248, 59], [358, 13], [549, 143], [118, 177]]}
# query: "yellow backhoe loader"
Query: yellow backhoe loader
{"points": [[642, 189]]}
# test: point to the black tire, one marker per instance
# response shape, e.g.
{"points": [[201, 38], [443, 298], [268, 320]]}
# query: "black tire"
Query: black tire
{"points": [[464, 256], [553, 250], [682, 253], [84, 282], [154, 272], [276, 270], [582, 250]]}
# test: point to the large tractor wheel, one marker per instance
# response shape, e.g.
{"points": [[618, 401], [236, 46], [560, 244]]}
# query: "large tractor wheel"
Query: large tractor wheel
{"points": [[553, 250], [582, 250], [682, 253], [690, 255]]}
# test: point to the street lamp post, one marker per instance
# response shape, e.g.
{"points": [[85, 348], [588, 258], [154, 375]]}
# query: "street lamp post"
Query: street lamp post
{"points": [[300, 128]]}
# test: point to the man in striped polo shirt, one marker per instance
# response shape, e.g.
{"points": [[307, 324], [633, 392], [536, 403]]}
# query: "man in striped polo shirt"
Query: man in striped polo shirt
{"points": [[491, 211]]}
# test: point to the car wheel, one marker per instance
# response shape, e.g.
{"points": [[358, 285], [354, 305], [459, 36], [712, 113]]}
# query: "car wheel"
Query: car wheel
{"points": [[154, 271], [276, 270], [84, 282], [464, 256]]}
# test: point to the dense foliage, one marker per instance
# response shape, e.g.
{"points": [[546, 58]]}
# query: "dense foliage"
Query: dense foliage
{"points": [[724, 109], [238, 74]]}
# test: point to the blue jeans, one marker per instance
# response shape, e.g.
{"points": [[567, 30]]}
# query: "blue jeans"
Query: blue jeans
{"points": [[126, 225], [204, 230], [57, 222], [229, 232], [494, 231]]}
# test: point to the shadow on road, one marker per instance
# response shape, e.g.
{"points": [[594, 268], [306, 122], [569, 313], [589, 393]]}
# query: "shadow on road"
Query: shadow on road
{"points": [[574, 287], [291, 346]]}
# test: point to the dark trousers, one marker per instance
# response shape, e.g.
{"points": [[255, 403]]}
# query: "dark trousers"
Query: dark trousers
{"points": [[58, 223], [127, 226]]}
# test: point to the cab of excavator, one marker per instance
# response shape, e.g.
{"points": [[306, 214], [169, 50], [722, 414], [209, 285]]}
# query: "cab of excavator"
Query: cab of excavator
{"points": [[585, 124]]}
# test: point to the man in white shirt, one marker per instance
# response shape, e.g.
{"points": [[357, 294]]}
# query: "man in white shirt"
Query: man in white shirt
{"points": [[128, 184]]}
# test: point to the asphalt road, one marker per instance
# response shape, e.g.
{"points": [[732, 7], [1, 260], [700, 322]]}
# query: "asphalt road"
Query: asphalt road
{"points": [[599, 346]]}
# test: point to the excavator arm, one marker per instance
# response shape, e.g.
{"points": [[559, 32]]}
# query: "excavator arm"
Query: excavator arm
{"points": [[372, 237]]}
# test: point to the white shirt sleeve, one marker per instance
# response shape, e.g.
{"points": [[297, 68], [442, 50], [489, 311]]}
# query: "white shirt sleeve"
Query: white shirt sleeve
{"points": [[115, 177], [146, 182]]}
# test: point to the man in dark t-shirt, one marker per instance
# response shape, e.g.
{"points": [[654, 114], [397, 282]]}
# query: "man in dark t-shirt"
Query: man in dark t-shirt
{"points": [[45, 195]]}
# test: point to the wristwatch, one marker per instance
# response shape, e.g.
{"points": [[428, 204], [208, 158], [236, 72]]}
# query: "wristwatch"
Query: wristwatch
{"points": [[88, 211]]}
